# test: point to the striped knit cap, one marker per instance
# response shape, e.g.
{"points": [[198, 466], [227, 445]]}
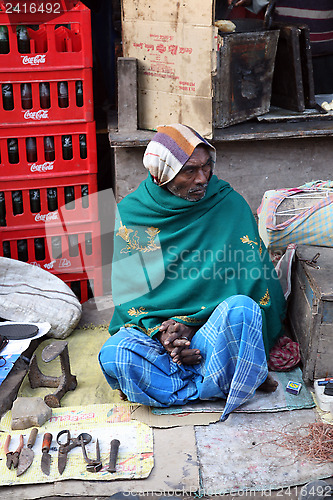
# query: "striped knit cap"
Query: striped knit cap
{"points": [[169, 150]]}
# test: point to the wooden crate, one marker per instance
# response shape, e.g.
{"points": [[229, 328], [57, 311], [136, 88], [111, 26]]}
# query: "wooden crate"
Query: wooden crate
{"points": [[310, 310], [243, 80]]}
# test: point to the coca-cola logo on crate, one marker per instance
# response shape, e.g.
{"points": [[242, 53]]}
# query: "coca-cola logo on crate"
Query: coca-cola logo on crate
{"points": [[36, 115], [47, 217], [34, 60], [47, 165]]}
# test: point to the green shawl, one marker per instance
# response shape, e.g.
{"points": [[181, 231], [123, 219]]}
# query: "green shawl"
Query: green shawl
{"points": [[179, 259]]}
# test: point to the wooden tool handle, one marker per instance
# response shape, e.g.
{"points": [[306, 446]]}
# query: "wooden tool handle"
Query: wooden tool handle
{"points": [[47, 440], [32, 437], [6, 445], [21, 443], [113, 455]]}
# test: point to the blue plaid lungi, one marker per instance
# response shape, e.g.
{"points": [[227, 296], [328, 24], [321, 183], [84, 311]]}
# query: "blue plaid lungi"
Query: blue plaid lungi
{"points": [[233, 362]]}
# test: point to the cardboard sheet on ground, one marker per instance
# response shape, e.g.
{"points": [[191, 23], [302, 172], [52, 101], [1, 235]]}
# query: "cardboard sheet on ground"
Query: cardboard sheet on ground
{"points": [[211, 411], [103, 422], [240, 455], [175, 470], [83, 346]]}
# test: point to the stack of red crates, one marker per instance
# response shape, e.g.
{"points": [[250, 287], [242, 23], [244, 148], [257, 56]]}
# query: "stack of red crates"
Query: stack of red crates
{"points": [[48, 157]]}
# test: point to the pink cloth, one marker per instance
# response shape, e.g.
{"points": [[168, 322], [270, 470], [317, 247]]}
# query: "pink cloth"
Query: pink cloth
{"points": [[284, 356]]}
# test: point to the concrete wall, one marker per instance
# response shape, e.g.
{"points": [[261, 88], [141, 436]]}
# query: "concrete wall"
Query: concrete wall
{"points": [[251, 167]]}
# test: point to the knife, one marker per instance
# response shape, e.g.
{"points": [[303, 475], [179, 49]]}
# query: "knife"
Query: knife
{"points": [[27, 454], [46, 457]]}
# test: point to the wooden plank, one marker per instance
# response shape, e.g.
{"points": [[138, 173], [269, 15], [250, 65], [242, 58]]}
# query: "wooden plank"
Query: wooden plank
{"points": [[300, 314], [249, 131], [287, 88], [324, 365], [127, 94], [307, 68]]}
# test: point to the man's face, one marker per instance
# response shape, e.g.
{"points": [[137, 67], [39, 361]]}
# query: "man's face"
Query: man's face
{"points": [[192, 180]]}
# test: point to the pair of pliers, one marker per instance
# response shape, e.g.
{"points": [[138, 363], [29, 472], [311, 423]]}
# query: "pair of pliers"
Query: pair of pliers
{"points": [[94, 464], [13, 456]]}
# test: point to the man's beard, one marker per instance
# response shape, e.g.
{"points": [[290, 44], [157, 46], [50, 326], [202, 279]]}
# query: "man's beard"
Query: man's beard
{"points": [[189, 196]]}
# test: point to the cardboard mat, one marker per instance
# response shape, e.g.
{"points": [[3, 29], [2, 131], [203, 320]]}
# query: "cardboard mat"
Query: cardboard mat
{"points": [[280, 400], [84, 345], [176, 470], [103, 422]]}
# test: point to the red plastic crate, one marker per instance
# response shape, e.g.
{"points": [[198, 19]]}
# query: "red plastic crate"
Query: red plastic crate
{"points": [[55, 40], [85, 285], [24, 100], [27, 203], [46, 164], [61, 248]]}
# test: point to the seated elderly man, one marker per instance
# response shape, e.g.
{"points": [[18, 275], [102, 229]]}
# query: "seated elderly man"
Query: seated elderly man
{"points": [[198, 302]]}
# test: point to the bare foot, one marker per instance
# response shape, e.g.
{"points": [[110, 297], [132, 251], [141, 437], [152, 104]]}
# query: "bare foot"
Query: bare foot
{"points": [[270, 385], [122, 395]]}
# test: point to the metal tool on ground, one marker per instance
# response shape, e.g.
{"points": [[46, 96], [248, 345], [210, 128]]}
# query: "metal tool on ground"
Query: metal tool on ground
{"points": [[69, 444], [27, 454], [94, 465], [114, 448], [66, 382], [46, 457], [12, 457]]}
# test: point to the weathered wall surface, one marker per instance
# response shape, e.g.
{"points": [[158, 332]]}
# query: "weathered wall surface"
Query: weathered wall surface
{"points": [[251, 167]]}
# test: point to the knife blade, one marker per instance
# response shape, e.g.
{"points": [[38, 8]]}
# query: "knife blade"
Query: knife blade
{"points": [[27, 454], [62, 460], [46, 457]]}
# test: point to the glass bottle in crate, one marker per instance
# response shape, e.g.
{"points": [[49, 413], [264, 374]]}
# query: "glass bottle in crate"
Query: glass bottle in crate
{"points": [[56, 249], [17, 201], [79, 93], [44, 95], [67, 148], [31, 149], [34, 201], [26, 96], [63, 94], [6, 249], [23, 40], [52, 199], [4, 40], [13, 153], [88, 243], [73, 245], [83, 146], [22, 250], [2, 209], [39, 248], [85, 196], [7, 96], [49, 152], [69, 197]]}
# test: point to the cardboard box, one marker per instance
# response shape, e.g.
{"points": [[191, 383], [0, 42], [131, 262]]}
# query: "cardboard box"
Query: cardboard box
{"points": [[186, 71], [176, 51]]}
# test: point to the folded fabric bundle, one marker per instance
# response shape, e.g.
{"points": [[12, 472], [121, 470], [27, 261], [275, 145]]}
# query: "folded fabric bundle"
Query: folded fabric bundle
{"points": [[284, 355]]}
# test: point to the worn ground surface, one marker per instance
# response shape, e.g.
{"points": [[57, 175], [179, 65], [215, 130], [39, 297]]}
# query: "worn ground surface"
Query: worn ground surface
{"points": [[82, 490]]}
